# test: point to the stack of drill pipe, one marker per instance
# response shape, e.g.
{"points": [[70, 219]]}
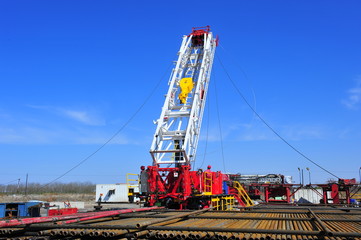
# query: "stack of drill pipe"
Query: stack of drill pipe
{"points": [[73, 217], [77, 232], [27, 238], [265, 225], [182, 215], [6, 231], [150, 234], [89, 232], [168, 220], [176, 234], [111, 233], [110, 213], [353, 223], [139, 234], [182, 234], [130, 222]]}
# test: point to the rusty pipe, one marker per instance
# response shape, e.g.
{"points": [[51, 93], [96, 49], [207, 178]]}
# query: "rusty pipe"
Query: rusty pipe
{"points": [[54, 232], [63, 232], [141, 233], [95, 234], [165, 235], [111, 213], [150, 222], [150, 235], [244, 230], [88, 216], [74, 232], [324, 227]]}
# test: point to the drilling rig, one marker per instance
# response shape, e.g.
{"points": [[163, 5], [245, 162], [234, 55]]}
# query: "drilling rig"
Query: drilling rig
{"points": [[170, 180]]}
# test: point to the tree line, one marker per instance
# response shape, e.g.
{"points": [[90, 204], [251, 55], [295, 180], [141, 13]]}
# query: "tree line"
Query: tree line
{"points": [[37, 188]]}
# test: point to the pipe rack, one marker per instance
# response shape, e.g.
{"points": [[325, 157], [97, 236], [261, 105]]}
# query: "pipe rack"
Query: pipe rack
{"points": [[261, 223]]}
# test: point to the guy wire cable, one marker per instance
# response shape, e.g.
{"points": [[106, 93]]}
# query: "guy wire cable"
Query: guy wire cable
{"points": [[207, 132], [244, 75], [264, 121], [117, 132], [219, 124]]}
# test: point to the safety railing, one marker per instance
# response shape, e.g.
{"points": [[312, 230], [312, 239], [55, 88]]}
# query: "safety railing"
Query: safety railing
{"points": [[243, 194], [132, 182], [223, 203]]}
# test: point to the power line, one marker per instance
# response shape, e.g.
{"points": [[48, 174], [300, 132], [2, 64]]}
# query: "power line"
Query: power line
{"points": [[264, 121], [18, 179]]}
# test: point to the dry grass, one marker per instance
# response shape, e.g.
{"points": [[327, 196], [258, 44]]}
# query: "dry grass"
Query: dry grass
{"points": [[48, 197]]}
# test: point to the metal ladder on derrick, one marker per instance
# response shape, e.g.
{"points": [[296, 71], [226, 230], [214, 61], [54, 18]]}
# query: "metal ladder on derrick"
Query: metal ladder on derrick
{"points": [[242, 195]]}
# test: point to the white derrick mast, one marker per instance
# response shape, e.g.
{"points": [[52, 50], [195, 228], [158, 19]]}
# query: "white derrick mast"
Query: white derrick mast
{"points": [[178, 127]]}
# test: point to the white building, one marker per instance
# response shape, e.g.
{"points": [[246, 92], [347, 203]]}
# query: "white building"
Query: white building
{"points": [[116, 193]]}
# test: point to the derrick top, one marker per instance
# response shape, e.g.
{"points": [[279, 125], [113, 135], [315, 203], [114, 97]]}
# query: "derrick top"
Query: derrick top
{"points": [[199, 31]]}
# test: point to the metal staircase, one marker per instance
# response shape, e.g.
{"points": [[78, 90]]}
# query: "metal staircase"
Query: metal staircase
{"points": [[241, 194]]}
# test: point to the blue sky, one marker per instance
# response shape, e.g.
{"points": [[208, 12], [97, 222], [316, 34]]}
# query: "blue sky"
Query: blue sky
{"points": [[73, 73]]}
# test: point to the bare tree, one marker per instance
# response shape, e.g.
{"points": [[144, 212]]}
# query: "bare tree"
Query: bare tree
{"points": [[37, 188]]}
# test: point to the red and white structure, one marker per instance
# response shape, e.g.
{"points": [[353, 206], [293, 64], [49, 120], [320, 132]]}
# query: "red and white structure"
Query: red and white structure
{"points": [[178, 127], [170, 181]]}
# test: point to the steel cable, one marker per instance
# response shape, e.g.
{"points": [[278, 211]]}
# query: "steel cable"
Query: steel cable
{"points": [[130, 119], [269, 127]]}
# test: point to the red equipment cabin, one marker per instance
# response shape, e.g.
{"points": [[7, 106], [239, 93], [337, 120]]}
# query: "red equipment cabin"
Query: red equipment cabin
{"points": [[179, 187]]}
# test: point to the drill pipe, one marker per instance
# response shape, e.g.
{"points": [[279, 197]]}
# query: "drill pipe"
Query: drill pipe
{"points": [[154, 221], [110, 213], [244, 230], [76, 232], [78, 217], [16, 222], [30, 238], [199, 235], [303, 212], [139, 234], [113, 233], [267, 229], [324, 228]]}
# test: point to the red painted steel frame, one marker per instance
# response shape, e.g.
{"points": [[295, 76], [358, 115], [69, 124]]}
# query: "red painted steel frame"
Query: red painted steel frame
{"points": [[271, 191], [197, 33], [180, 183], [332, 193]]}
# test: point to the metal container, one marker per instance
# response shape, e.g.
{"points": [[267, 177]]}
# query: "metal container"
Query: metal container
{"points": [[114, 193], [20, 209]]}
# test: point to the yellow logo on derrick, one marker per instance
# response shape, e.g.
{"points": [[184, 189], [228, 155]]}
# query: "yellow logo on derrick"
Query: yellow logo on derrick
{"points": [[186, 85]]}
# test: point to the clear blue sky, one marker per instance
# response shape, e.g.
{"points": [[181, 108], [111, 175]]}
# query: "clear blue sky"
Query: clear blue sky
{"points": [[72, 73]]}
